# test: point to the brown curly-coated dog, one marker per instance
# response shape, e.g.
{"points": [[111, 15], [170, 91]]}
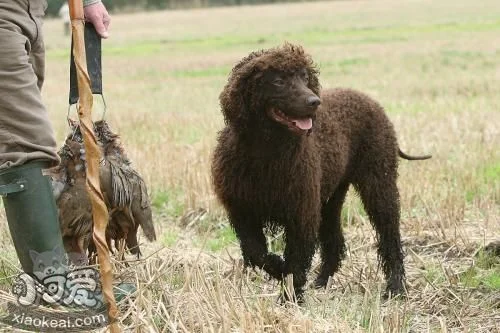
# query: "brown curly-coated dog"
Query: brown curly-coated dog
{"points": [[286, 158]]}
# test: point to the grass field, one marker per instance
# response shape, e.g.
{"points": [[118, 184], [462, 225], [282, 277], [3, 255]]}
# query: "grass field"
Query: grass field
{"points": [[434, 65]]}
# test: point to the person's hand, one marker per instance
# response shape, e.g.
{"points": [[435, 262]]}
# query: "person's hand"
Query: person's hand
{"points": [[99, 17]]}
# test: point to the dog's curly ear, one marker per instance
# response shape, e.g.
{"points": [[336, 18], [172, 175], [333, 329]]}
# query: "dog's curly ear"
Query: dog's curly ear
{"points": [[235, 98], [232, 102]]}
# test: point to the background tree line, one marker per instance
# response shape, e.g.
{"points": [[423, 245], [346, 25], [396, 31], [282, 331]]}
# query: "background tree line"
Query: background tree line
{"points": [[131, 5]]}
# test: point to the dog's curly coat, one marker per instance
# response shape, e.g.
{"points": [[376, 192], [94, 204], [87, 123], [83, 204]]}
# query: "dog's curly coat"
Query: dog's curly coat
{"points": [[283, 160]]}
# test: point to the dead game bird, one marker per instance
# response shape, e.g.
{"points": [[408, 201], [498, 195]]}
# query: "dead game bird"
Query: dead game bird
{"points": [[123, 188], [126, 193], [75, 211]]}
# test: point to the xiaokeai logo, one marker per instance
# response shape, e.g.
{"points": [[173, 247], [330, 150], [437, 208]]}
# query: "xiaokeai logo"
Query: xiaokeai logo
{"points": [[59, 297]]}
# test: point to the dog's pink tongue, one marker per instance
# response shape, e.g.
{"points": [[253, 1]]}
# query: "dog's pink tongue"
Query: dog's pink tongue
{"points": [[303, 124]]}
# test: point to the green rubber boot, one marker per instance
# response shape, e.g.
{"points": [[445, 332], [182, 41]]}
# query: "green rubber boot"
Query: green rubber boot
{"points": [[34, 226], [31, 211]]}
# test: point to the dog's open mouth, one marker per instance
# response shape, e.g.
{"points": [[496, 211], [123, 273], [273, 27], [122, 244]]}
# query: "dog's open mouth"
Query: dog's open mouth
{"points": [[297, 125]]}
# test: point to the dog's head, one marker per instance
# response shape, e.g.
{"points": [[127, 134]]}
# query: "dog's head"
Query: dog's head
{"points": [[276, 88]]}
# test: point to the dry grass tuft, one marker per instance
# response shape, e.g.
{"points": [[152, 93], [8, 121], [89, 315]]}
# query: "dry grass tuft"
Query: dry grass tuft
{"points": [[434, 65]]}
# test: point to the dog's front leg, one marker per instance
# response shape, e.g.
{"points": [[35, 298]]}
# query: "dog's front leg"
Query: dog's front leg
{"points": [[299, 250], [250, 232]]}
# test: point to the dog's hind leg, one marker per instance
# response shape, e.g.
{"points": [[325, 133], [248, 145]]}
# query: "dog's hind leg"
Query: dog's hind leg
{"points": [[254, 246], [331, 237], [380, 198]]}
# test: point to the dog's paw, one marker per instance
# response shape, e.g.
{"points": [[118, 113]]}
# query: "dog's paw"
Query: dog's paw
{"points": [[274, 266], [321, 282], [395, 291], [285, 298]]}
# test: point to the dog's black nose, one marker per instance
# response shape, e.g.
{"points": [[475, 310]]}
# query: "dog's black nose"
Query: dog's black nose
{"points": [[313, 101]]}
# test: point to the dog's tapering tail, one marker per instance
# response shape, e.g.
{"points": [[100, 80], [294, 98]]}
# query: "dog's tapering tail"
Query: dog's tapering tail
{"points": [[413, 158]]}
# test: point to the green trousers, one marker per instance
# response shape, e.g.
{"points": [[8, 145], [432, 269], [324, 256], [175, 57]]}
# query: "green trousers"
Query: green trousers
{"points": [[26, 133]]}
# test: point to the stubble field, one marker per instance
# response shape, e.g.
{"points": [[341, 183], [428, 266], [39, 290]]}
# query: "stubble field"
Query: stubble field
{"points": [[434, 66]]}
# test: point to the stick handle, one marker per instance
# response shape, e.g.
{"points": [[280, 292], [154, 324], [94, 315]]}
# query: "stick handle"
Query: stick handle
{"points": [[76, 10], [99, 209]]}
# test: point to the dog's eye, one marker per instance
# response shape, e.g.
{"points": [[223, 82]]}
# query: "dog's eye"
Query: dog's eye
{"points": [[305, 75], [278, 81]]}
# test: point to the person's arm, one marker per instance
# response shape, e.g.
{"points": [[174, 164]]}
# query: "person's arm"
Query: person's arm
{"points": [[96, 13]]}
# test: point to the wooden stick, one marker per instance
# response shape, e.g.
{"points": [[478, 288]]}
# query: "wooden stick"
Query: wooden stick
{"points": [[93, 157]]}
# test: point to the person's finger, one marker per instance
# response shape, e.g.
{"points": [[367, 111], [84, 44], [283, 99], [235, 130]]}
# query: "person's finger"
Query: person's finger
{"points": [[106, 20], [100, 27], [99, 17]]}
